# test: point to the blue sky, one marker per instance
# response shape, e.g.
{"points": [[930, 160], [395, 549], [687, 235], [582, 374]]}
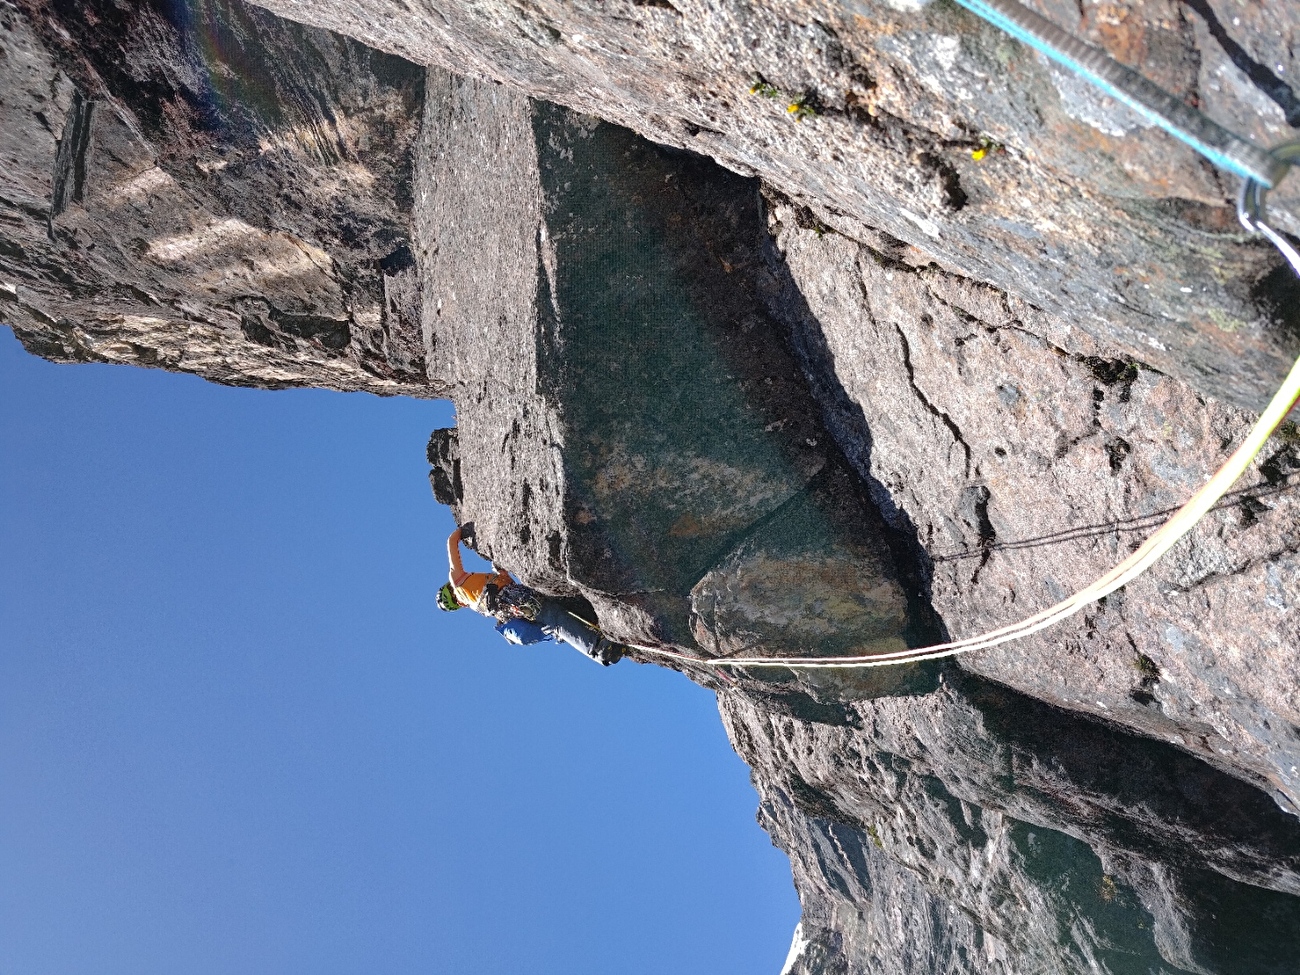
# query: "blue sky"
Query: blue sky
{"points": [[237, 736]]}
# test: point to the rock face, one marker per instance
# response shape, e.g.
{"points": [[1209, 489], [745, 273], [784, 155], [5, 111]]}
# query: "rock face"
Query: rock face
{"points": [[913, 820], [1025, 461], [975, 830], [208, 189], [617, 372], [1081, 209], [855, 405]]}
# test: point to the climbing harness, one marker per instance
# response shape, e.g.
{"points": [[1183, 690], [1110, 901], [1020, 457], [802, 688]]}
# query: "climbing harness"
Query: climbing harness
{"points": [[517, 601], [1262, 170]]}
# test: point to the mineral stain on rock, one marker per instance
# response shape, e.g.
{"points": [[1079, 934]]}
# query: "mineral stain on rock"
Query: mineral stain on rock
{"points": [[852, 393]]}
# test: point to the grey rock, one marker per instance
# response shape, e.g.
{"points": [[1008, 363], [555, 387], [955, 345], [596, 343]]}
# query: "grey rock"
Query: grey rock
{"points": [[443, 454], [1025, 460], [1083, 212], [964, 829], [975, 830], [228, 196], [632, 427]]}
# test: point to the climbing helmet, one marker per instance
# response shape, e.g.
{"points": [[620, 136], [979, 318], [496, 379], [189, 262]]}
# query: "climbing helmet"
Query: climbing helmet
{"points": [[447, 598]]}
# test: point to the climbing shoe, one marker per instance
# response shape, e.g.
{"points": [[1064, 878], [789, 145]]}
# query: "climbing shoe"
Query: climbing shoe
{"points": [[607, 651]]}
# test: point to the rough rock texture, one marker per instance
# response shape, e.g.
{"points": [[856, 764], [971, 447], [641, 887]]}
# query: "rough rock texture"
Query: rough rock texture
{"points": [[975, 830], [617, 377], [936, 822], [886, 395], [673, 491], [1083, 210], [208, 189], [1026, 461]]}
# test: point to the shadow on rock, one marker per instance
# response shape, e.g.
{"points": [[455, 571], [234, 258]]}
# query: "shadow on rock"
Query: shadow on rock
{"points": [[928, 831]]}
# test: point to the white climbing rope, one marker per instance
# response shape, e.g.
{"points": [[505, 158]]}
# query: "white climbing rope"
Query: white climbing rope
{"points": [[1262, 170], [1179, 524]]}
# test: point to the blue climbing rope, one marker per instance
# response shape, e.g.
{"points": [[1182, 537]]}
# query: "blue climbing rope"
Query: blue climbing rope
{"points": [[1223, 148]]}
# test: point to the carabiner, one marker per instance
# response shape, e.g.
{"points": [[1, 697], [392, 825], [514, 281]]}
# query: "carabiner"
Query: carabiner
{"points": [[1251, 201]]}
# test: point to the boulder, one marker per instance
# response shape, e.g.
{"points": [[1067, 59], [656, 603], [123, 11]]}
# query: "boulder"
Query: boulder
{"points": [[632, 425]]}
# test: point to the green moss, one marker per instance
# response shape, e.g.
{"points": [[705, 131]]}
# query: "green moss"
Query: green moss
{"points": [[1145, 666]]}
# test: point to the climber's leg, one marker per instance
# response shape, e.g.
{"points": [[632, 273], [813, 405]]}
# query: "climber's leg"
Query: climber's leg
{"points": [[563, 627]]}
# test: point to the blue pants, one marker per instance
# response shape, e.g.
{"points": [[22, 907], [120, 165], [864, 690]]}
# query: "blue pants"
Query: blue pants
{"points": [[564, 628], [553, 623]]}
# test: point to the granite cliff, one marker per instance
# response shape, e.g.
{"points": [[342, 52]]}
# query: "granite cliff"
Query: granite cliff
{"points": [[854, 391]]}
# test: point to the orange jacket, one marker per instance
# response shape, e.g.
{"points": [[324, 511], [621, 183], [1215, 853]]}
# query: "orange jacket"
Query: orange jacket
{"points": [[469, 586]]}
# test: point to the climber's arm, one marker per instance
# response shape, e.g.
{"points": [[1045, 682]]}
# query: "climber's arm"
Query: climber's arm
{"points": [[457, 573]]}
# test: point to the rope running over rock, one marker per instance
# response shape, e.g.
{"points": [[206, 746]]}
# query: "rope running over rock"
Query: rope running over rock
{"points": [[1263, 170]]}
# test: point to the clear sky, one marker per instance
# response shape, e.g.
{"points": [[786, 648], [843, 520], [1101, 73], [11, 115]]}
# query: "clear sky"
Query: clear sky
{"points": [[236, 735]]}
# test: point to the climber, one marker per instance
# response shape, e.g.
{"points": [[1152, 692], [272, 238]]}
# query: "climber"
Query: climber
{"points": [[523, 616]]}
